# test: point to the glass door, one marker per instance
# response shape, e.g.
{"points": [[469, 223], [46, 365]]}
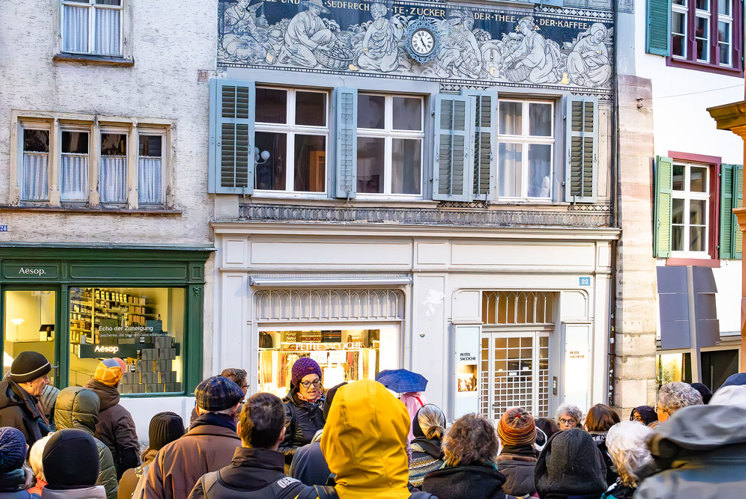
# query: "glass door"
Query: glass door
{"points": [[29, 324]]}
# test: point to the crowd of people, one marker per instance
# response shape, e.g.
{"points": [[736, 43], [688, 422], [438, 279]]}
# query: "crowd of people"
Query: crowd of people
{"points": [[358, 440]]}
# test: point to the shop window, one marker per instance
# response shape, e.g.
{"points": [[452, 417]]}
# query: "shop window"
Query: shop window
{"points": [[674, 367], [29, 326], [389, 144], [92, 27], [143, 326], [35, 170]]}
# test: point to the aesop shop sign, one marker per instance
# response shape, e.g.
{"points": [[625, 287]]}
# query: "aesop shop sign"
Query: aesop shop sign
{"points": [[29, 271]]}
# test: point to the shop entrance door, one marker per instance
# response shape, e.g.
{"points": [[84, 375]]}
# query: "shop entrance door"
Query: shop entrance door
{"points": [[30, 323], [514, 372]]}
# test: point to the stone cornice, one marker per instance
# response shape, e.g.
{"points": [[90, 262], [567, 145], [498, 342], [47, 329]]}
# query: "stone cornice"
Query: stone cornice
{"points": [[730, 117]]}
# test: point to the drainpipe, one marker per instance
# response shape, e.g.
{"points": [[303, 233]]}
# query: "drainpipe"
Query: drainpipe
{"points": [[614, 218]]}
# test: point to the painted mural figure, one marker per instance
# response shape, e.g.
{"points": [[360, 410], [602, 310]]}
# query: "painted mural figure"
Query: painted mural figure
{"points": [[380, 46], [588, 62], [460, 55], [245, 34], [305, 33], [535, 59]]}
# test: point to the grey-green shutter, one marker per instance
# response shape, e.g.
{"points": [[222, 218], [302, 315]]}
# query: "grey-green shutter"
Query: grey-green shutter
{"points": [[345, 142], [581, 146], [231, 146], [452, 163], [484, 154], [737, 203], [726, 211], [657, 24], [663, 206]]}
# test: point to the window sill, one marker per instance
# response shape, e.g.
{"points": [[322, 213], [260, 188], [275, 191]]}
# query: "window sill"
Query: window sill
{"points": [[101, 60], [702, 66], [696, 262], [90, 211]]}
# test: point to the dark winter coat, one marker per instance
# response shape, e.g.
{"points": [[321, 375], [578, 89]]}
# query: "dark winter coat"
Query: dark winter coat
{"points": [[20, 410], [302, 421], [427, 456], [116, 428], [517, 464], [77, 408], [619, 491], [254, 473], [599, 437], [701, 450], [13, 485], [309, 464], [468, 482], [131, 477]]}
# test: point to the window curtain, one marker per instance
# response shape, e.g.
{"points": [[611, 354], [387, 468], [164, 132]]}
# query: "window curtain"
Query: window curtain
{"points": [[35, 179], [150, 181], [75, 29], [113, 180], [108, 25], [74, 177]]}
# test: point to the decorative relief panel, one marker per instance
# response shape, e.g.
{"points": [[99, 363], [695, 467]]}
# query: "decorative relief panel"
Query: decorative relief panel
{"points": [[323, 305]]}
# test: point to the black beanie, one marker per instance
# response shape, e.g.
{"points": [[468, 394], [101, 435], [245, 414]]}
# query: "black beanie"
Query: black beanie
{"points": [[704, 391], [570, 464], [165, 427], [70, 460], [329, 397], [28, 366]]}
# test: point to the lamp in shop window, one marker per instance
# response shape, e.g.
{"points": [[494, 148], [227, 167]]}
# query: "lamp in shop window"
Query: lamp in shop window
{"points": [[17, 323], [260, 157]]}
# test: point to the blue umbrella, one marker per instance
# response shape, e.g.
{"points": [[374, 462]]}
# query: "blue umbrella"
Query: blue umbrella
{"points": [[402, 380]]}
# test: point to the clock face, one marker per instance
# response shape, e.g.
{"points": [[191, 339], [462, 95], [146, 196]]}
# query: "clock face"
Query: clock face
{"points": [[423, 41]]}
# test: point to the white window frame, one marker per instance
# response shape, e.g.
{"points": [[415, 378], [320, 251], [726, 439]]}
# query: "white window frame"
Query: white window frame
{"points": [[726, 19], [115, 130], [687, 196], [525, 140], [34, 125], [162, 133], [91, 5], [89, 129], [684, 11], [388, 133], [290, 129], [703, 14]]}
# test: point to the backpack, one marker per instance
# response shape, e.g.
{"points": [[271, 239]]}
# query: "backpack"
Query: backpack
{"points": [[213, 487], [328, 492]]}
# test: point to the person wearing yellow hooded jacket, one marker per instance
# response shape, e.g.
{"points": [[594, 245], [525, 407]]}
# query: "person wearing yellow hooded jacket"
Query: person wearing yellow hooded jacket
{"points": [[365, 444]]}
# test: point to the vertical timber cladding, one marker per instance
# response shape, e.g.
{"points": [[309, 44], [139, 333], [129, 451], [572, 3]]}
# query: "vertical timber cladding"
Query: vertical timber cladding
{"points": [[548, 47]]}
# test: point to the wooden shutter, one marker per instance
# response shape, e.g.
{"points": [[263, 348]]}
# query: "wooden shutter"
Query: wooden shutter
{"points": [[663, 206], [345, 142], [452, 163], [483, 108], [737, 203], [231, 151], [581, 145], [726, 211], [657, 24]]}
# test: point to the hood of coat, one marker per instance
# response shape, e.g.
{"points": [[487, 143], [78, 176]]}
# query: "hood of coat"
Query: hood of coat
{"points": [[570, 464], [464, 481], [95, 492], [365, 438], [108, 395], [77, 408]]}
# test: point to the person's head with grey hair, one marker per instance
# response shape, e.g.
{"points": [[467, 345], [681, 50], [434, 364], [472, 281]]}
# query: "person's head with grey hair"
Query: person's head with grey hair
{"points": [[569, 416], [430, 423], [626, 445], [674, 396]]}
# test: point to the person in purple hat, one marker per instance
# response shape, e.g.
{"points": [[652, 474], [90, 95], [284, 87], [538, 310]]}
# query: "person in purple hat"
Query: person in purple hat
{"points": [[304, 407]]}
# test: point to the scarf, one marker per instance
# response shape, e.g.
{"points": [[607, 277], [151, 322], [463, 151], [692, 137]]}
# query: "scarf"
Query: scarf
{"points": [[214, 419], [518, 453]]}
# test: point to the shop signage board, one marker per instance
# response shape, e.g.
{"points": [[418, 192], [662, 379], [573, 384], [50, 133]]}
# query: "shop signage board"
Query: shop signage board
{"points": [[577, 368], [3, 228], [30, 271], [467, 369]]}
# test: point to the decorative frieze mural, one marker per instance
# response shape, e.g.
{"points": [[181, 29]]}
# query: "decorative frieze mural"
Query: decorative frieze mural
{"points": [[547, 47]]}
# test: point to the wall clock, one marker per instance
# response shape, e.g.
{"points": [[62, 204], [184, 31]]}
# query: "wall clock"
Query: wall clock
{"points": [[423, 40]]}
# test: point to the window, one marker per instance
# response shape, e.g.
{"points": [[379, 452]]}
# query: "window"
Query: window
{"points": [[150, 169], [113, 168], [92, 27], [35, 169], [74, 166], [291, 134], [389, 144], [525, 149], [690, 208], [725, 32], [679, 24]]}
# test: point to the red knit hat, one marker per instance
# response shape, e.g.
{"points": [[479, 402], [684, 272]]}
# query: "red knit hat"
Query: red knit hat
{"points": [[516, 427]]}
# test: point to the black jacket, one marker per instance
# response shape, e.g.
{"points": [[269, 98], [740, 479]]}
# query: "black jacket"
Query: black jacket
{"points": [[20, 410], [467, 482], [302, 421], [253, 473], [517, 464], [600, 440]]}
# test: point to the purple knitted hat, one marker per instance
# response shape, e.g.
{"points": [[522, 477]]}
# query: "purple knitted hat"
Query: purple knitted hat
{"points": [[303, 367]]}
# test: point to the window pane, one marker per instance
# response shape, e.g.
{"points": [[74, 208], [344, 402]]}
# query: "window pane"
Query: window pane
{"points": [[698, 180], [724, 7], [724, 53], [697, 239], [697, 213], [36, 140], [540, 120], [30, 322], [270, 174], [701, 35], [113, 168], [35, 173], [310, 108], [149, 180], [142, 326], [702, 4], [310, 163], [106, 31], [406, 164], [75, 142], [511, 118], [370, 152], [407, 113], [677, 216], [271, 105], [150, 145], [677, 238], [113, 144], [75, 29], [539, 170], [678, 177], [109, 2], [510, 161], [74, 177], [370, 111], [678, 45]]}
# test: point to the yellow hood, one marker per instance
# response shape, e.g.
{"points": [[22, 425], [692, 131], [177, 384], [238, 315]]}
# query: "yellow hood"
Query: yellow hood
{"points": [[365, 442]]}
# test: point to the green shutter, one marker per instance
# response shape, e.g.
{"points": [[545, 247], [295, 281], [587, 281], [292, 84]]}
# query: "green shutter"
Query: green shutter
{"points": [[738, 203], [658, 22], [345, 142], [581, 146], [663, 200], [231, 150], [726, 211], [484, 155], [452, 164]]}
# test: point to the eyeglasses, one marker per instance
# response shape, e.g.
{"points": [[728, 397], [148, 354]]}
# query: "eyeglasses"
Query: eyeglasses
{"points": [[567, 421], [307, 384]]}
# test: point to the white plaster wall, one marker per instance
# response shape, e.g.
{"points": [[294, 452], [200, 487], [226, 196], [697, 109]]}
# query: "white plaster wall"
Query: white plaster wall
{"points": [[171, 41]]}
